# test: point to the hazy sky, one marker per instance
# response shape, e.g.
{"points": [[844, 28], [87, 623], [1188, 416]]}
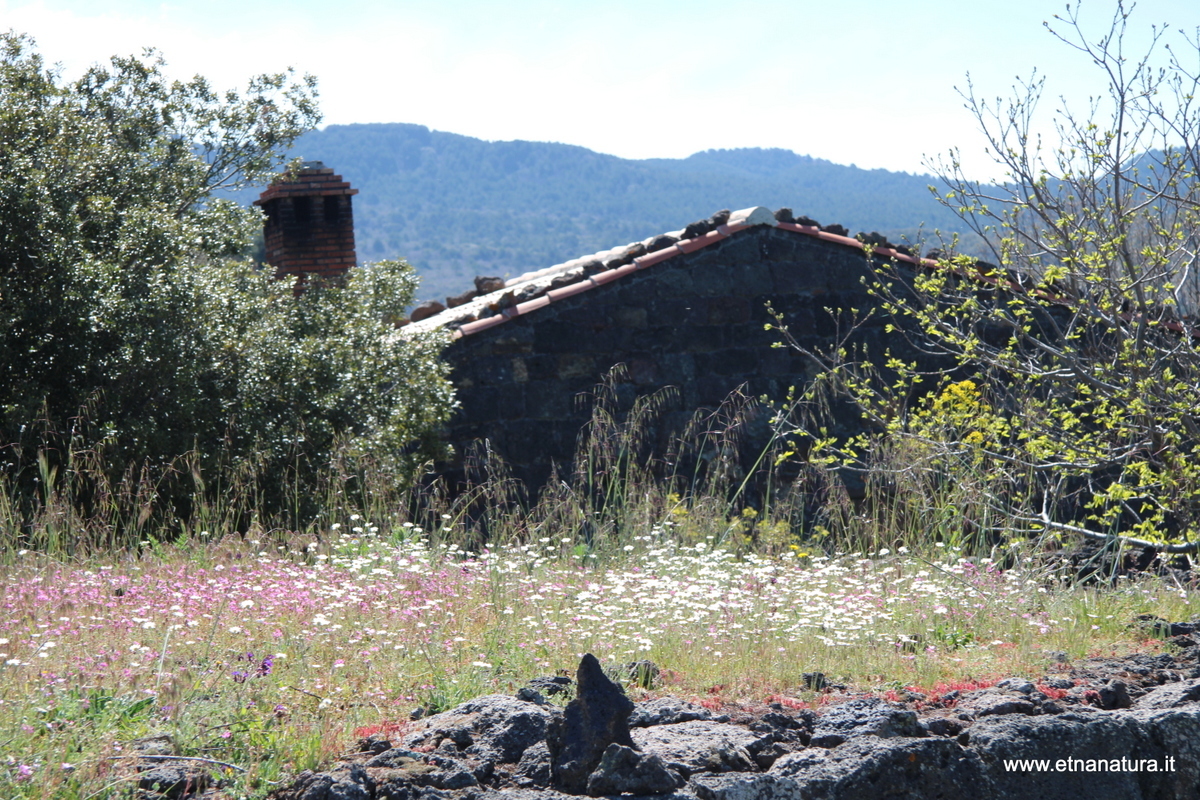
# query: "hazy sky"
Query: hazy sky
{"points": [[869, 82]]}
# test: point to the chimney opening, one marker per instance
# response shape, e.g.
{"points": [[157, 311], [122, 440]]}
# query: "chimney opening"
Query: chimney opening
{"points": [[332, 209], [303, 209]]}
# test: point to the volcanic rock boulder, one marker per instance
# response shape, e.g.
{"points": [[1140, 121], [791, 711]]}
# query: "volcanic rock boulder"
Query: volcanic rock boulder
{"points": [[623, 770], [344, 782], [1126, 743], [596, 718], [1000, 743], [668, 711], [493, 728], [173, 781], [534, 767], [864, 768], [1150, 753], [864, 716], [1173, 695], [702, 746]]}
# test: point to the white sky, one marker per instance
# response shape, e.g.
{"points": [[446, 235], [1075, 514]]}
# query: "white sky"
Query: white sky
{"points": [[869, 82]]}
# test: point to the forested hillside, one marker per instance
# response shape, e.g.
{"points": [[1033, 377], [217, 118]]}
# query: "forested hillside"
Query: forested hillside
{"points": [[457, 207]]}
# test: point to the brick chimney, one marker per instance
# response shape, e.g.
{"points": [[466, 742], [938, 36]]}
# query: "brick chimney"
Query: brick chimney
{"points": [[310, 224]]}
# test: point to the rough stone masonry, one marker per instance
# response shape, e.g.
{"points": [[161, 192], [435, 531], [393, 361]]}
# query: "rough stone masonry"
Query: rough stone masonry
{"points": [[686, 309]]}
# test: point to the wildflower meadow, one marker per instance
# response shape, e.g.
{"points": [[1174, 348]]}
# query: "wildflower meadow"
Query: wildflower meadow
{"points": [[269, 655]]}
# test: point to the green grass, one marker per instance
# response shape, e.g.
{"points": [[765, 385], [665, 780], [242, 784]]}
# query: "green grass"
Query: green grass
{"points": [[272, 650], [268, 655]]}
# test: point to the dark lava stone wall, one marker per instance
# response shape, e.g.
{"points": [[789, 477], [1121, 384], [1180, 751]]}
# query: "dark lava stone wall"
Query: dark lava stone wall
{"points": [[695, 322]]}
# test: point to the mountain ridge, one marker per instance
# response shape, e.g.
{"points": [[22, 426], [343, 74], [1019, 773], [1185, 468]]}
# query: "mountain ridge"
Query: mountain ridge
{"points": [[455, 206]]}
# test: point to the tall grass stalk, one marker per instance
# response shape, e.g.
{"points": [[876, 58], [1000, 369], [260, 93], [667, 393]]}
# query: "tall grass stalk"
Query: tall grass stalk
{"points": [[269, 641]]}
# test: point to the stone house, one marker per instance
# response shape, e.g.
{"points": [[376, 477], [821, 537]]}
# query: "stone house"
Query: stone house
{"points": [[686, 309]]}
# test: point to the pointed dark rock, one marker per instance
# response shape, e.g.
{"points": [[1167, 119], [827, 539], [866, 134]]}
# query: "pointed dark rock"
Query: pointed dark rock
{"points": [[596, 718]]}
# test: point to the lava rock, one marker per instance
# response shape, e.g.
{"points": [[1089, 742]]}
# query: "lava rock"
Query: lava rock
{"points": [[426, 310], [703, 746], [668, 711], [374, 744], [596, 718], [174, 781], [345, 782], [461, 299], [943, 726], [660, 242], [1019, 685], [550, 684], [399, 758], [864, 716], [872, 749], [719, 218], [1170, 696], [1099, 735], [986, 702], [592, 266], [487, 285], [873, 239], [493, 728], [739, 787], [1114, 694], [534, 767], [530, 695], [870, 767], [623, 770]]}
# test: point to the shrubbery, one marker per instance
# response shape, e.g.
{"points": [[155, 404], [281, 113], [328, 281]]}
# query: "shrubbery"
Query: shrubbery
{"points": [[134, 331], [1082, 337]]}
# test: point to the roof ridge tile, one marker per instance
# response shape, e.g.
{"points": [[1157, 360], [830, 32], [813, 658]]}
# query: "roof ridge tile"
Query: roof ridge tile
{"points": [[755, 215], [537, 289]]}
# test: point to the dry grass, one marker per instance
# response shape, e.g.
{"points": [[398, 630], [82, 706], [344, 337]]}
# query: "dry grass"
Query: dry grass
{"points": [[268, 655], [268, 649]]}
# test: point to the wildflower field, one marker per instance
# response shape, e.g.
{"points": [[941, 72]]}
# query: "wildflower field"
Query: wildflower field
{"points": [[267, 655]]}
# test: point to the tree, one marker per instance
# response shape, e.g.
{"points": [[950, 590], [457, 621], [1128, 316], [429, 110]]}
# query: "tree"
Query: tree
{"points": [[1076, 400], [131, 325]]}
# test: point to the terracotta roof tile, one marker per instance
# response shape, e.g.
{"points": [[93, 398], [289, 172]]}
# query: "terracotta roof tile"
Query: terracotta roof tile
{"points": [[564, 292], [540, 288], [692, 245], [479, 325], [729, 230], [796, 227], [619, 272], [532, 305], [657, 257], [833, 237]]}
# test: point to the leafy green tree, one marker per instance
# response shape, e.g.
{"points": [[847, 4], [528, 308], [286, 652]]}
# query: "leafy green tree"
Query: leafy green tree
{"points": [[131, 325], [1083, 331]]}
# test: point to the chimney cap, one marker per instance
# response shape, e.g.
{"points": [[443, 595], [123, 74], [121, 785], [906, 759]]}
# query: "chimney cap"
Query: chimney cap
{"points": [[313, 165]]}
